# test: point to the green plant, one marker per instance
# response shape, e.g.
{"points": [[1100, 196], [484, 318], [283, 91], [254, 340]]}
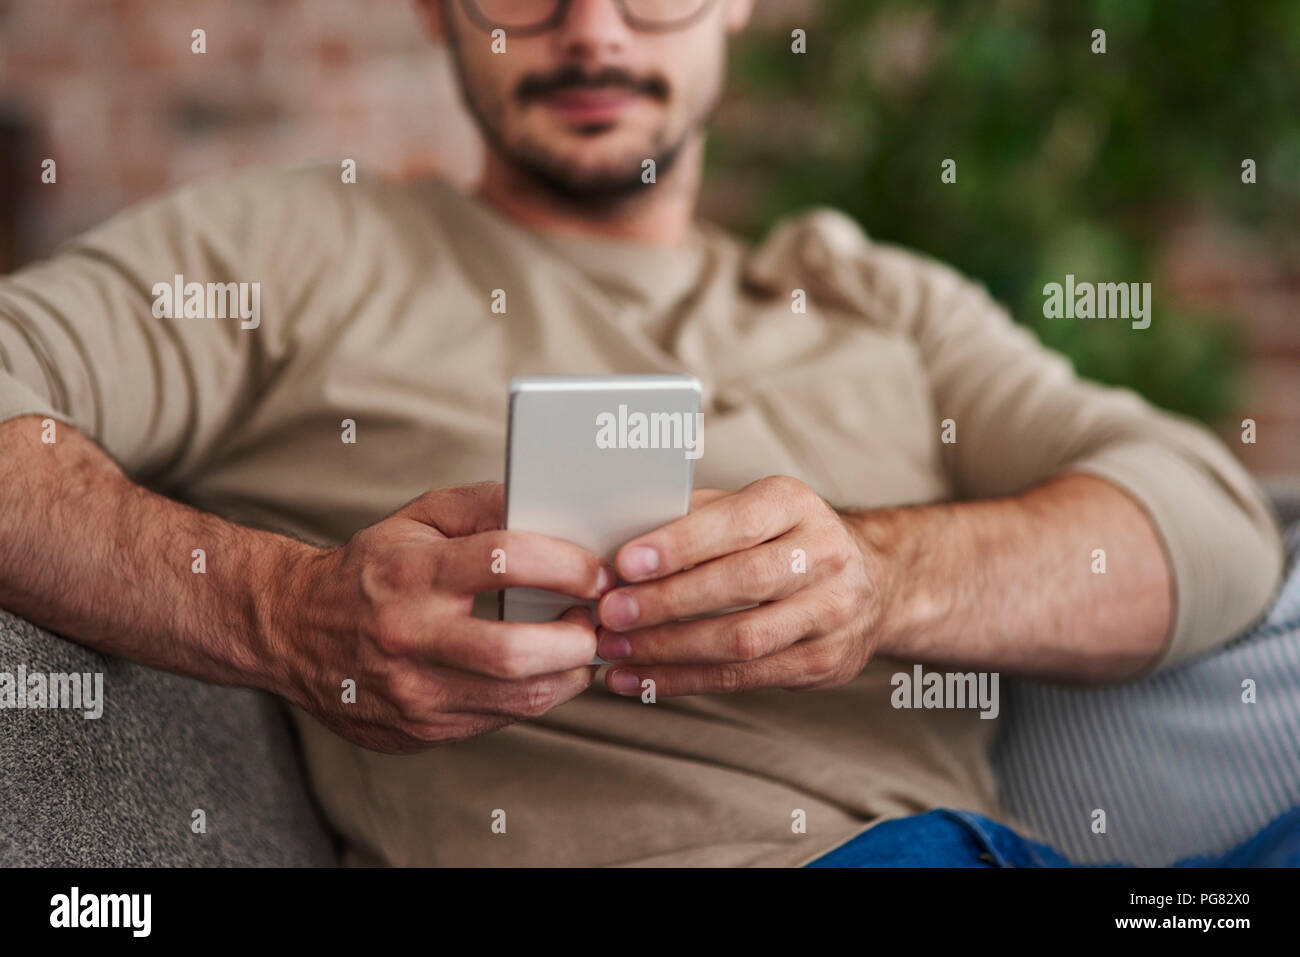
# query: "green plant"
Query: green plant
{"points": [[1068, 161]]}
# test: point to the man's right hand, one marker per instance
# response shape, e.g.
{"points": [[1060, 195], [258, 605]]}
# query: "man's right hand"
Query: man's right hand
{"points": [[87, 553], [391, 610]]}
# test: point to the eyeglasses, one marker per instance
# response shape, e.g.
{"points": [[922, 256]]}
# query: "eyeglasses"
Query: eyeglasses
{"points": [[530, 17]]}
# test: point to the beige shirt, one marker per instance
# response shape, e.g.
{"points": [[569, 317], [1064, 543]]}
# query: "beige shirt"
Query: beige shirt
{"points": [[376, 306]]}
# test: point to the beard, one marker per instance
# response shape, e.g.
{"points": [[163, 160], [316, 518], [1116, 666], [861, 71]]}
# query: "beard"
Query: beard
{"points": [[548, 170], [564, 182]]}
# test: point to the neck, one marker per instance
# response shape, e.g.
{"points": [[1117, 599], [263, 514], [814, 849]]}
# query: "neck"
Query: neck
{"points": [[660, 215]]}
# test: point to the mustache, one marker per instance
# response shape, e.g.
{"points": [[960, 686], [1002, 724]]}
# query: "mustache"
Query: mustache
{"points": [[534, 86]]}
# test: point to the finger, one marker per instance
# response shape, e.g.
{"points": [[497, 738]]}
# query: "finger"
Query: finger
{"points": [[383, 737], [790, 668], [763, 573], [758, 512], [513, 650], [508, 559], [518, 699], [460, 509], [703, 496], [740, 636], [380, 723]]}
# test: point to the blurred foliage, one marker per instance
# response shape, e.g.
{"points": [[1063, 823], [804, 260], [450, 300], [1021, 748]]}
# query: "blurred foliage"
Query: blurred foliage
{"points": [[1067, 161]]}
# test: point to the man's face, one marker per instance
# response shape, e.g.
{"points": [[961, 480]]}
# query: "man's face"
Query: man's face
{"points": [[582, 105]]}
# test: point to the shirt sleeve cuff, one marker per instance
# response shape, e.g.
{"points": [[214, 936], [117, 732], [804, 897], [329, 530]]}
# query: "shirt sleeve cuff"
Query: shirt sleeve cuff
{"points": [[18, 399], [1218, 533]]}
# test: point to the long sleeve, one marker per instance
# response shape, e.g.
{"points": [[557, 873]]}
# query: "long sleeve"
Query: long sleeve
{"points": [[82, 341], [1023, 416]]}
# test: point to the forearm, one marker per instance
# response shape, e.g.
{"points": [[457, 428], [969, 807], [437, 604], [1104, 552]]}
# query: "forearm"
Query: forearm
{"points": [[1016, 584], [87, 553]]}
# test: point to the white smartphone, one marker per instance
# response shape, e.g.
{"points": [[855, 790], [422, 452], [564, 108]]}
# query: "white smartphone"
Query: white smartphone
{"points": [[597, 461]]}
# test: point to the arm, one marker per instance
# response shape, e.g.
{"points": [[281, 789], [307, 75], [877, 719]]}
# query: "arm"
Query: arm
{"points": [[997, 585], [1016, 584], [137, 398], [1050, 468], [86, 552]]}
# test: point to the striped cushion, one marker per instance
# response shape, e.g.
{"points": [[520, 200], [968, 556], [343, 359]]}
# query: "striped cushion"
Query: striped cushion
{"points": [[1179, 763]]}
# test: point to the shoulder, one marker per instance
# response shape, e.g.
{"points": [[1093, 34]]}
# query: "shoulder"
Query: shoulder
{"points": [[303, 208], [831, 257]]}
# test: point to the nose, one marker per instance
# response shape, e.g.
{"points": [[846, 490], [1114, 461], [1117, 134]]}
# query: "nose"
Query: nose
{"points": [[592, 29]]}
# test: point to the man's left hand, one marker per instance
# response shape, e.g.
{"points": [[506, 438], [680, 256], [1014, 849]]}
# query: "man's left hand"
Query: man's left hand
{"points": [[798, 589]]}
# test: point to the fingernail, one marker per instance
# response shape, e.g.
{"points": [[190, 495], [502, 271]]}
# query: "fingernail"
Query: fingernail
{"points": [[619, 610], [606, 579], [639, 561], [622, 681], [613, 647]]}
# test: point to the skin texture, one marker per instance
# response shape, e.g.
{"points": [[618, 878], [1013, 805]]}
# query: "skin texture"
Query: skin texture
{"points": [[995, 584], [88, 553], [988, 585], [532, 143]]}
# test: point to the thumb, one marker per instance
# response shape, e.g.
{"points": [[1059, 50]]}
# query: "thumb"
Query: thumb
{"points": [[460, 509], [703, 496]]}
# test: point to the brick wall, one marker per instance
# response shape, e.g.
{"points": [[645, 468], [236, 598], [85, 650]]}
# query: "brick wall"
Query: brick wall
{"points": [[112, 91], [127, 110], [1241, 276]]}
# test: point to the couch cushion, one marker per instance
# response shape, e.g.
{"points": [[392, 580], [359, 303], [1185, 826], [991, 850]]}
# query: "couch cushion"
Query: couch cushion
{"points": [[121, 789], [1179, 762]]}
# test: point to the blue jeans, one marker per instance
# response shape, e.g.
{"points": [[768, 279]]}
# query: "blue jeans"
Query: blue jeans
{"points": [[947, 838]]}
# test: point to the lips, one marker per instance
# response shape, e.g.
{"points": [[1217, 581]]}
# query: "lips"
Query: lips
{"points": [[586, 106]]}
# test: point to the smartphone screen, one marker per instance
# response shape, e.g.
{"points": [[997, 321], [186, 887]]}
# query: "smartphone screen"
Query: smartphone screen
{"points": [[597, 461]]}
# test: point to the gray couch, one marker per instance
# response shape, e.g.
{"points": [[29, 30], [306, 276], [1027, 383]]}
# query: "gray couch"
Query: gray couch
{"points": [[123, 789]]}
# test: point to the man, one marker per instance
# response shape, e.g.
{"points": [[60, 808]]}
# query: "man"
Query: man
{"points": [[973, 479]]}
